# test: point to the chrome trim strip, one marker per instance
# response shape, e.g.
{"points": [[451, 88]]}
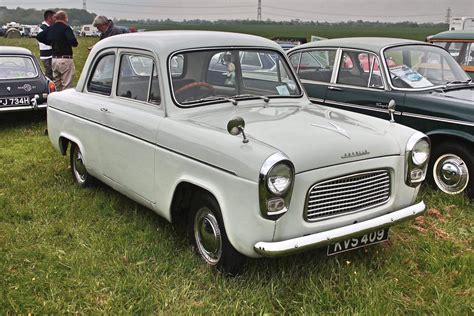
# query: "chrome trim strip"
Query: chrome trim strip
{"points": [[298, 244], [23, 108], [143, 140], [316, 100], [357, 106], [439, 119]]}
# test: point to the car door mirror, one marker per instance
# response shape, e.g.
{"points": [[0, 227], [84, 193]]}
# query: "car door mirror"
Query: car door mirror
{"points": [[236, 126], [391, 109]]}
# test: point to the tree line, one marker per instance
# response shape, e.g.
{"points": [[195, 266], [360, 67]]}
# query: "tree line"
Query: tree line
{"points": [[33, 16]]}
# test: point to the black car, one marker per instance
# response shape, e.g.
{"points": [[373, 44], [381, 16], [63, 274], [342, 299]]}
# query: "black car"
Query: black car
{"points": [[23, 86]]}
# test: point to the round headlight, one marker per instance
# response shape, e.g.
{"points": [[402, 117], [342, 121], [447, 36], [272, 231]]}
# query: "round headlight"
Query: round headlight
{"points": [[420, 152], [279, 178]]}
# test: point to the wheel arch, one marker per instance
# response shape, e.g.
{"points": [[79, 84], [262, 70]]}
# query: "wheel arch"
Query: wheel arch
{"points": [[64, 141], [183, 195], [438, 137]]}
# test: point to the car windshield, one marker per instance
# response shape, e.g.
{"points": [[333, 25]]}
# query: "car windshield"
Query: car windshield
{"points": [[17, 67], [422, 66], [222, 75]]}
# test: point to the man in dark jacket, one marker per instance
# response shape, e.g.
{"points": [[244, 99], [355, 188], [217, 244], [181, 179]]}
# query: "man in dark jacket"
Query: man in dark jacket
{"points": [[61, 38], [106, 27]]}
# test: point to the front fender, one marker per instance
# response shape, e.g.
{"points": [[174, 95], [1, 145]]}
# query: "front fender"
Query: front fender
{"points": [[451, 133]]}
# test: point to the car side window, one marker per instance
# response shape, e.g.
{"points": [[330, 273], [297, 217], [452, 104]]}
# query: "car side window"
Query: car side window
{"points": [[352, 70], [295, 60], [138, 78], [469, 56], [102, 76], [370, 63], [155, 95], [317, 65], [250, 58]]}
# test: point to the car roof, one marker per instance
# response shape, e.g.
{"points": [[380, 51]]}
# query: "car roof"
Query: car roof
{"points": [[453, 35], [166, 42], [374, 44], [13, 50]]}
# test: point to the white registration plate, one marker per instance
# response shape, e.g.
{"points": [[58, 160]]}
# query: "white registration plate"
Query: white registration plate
{"points": [[358, 242], [14, 101]]}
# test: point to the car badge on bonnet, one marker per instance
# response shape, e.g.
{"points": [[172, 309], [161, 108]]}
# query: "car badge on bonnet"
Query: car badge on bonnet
{"points": [[356, 154], [8, 88], [26, 87]]}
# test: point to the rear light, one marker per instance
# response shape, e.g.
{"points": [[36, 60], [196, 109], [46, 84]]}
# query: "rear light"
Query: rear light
{"points": [[51, 86]]}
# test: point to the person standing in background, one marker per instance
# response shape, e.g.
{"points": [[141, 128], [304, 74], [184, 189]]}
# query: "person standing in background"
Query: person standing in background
{"points": [[46, 51], [61, 37], [106, 27]]}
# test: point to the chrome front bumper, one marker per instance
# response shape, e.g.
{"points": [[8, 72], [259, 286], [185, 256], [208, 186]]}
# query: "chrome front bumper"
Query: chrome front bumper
{"points": [[290, 246]]}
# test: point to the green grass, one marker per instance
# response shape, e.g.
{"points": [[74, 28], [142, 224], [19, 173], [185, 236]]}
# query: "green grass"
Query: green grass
{"points": [[66, 249]]}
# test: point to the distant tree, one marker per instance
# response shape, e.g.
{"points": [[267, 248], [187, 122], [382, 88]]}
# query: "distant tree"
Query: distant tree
{"points": [[33, 16]]}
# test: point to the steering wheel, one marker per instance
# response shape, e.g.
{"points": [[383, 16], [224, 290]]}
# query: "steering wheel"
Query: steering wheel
{"points": [[186, 91]]}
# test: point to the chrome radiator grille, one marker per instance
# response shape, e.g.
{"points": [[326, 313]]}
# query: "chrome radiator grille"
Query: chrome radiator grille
{"points": [[348, 194]]}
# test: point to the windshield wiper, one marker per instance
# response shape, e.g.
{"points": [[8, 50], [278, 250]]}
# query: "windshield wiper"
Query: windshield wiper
{"points": [[252, 96], [454, 82], [211, 98]]}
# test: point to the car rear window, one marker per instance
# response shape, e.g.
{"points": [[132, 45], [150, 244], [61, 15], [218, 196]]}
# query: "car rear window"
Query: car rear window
{"points": [[17, 67]]}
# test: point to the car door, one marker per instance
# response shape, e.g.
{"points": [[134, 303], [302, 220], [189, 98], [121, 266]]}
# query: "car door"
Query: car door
{"points": [[360, 86], [97, 93], [132, 118], [315, 70]]}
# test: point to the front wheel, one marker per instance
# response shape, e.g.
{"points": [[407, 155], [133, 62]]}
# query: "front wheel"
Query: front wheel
{"points": [[78, 169], [452, 169], [209, 237]]}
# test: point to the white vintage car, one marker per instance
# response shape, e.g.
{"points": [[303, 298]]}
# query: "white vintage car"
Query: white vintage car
{"points": [[241, 155]]}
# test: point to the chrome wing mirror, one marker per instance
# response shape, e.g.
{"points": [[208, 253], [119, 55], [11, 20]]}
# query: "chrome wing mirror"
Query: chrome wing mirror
{"points": [[391, 110], [237, 126]]}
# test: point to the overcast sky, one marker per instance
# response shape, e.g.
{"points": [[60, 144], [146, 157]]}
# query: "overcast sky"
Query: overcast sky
{"points": [[317, 10]]}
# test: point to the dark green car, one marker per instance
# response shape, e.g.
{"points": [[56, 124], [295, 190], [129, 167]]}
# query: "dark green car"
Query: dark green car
{"points": [[421, 83]]}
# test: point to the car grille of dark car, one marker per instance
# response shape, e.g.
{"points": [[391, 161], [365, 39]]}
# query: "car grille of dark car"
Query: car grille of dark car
{"points": [[348, 194]]}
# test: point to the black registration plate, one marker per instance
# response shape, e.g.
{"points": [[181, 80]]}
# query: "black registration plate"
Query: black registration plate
{"points": [[358, 242], [14, 101]]}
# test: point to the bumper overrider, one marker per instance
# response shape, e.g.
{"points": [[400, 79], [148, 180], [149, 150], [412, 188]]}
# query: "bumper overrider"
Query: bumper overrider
{"points": [[299, 244]]}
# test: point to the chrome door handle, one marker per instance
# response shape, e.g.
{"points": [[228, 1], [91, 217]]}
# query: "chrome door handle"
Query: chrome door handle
{"points": [[334, 88], [104, 109]]}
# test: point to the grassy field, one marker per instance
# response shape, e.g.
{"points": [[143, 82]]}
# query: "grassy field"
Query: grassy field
{"points": [[65, 249]]}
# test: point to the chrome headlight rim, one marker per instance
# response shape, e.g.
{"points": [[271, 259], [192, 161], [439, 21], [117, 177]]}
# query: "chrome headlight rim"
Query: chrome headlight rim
{"points": [[265, 193], [411, 164]]}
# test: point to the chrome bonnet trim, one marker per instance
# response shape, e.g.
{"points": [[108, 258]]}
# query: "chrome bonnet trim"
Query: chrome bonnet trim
{"points": [[299, 244]]}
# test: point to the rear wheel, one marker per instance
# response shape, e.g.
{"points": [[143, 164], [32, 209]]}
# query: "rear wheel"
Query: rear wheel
{"points": [[209, 237], [451, 168], [78, 168]]}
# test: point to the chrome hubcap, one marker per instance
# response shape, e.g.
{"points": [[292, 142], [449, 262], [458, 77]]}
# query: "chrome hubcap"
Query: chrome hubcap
{"points": [[450, 174], [78, 165], [208, 236]]}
